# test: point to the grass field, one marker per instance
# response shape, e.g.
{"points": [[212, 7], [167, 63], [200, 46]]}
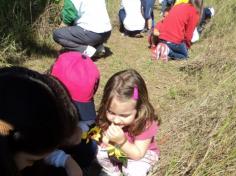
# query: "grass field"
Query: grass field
{"points": [[195, 98]]}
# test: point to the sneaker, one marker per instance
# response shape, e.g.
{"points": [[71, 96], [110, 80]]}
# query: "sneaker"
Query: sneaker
{"points": [[154, 52], [162, 51], [90, 51], [101, 51], [138, 35], [145, 30]]}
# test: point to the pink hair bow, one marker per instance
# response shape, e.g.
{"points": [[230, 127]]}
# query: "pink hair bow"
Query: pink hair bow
{"points": [[135, 94]]}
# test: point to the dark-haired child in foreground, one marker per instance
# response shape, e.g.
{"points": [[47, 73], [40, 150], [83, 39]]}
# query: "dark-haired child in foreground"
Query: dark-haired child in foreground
{"points": [[36, 116]]}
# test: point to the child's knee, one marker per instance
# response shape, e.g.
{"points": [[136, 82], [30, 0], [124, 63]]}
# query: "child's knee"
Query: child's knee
{"points": [[137, 169]]}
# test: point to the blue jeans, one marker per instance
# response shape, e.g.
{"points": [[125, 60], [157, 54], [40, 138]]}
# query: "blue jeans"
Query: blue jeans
{"points": [[165, 4], [147, 6], [177, 51], [122, 16]]}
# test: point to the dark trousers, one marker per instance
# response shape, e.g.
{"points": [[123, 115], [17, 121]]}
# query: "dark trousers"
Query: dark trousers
{"points": [[76, 38]]}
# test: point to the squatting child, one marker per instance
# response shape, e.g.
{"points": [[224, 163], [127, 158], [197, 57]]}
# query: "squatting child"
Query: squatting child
{"points": [[128, 121]]}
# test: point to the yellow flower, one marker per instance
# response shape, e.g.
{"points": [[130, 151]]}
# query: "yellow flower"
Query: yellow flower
{"points": [[117, 153], [84, 135], [93, 133]]}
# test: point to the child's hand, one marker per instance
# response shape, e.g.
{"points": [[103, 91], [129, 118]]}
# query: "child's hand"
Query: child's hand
{"points": [[72, 168], [115, 134], [156, 32], [57, 158], [105, 140]]}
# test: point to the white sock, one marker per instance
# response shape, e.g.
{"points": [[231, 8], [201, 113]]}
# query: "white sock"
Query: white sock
{"points": [[89, 51]]}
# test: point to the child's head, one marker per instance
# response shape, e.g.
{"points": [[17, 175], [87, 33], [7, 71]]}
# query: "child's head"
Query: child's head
{"points": [[125, 103], [36, 114], [209, 12], [81, 77]]}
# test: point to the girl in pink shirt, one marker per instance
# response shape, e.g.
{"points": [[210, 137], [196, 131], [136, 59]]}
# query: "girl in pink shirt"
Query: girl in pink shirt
{"points": [[128, 121]]}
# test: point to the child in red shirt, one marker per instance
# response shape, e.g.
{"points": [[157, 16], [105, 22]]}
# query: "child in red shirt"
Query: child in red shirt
{"points": [[176, 29]]}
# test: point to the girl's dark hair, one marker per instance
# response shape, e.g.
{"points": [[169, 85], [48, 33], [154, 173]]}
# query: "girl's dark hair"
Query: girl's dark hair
{"points": [[198, 4], [39, 110], [121, 85]]}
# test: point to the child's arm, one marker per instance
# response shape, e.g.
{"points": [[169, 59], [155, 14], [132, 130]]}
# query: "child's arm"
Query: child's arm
{"points": [[157, 28], [189, 29], [134, 150], [72, 168], [59, 158], [68, 13]]}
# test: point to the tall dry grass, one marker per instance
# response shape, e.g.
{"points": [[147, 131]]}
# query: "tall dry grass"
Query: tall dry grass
{"points": [[24, 26], [199, 138]]}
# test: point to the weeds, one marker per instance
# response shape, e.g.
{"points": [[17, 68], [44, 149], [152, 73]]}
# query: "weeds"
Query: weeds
{"points": [[22, 26]]}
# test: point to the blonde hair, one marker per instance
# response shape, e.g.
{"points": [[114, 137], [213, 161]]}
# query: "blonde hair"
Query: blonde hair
{"points": [[122, 85]]}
